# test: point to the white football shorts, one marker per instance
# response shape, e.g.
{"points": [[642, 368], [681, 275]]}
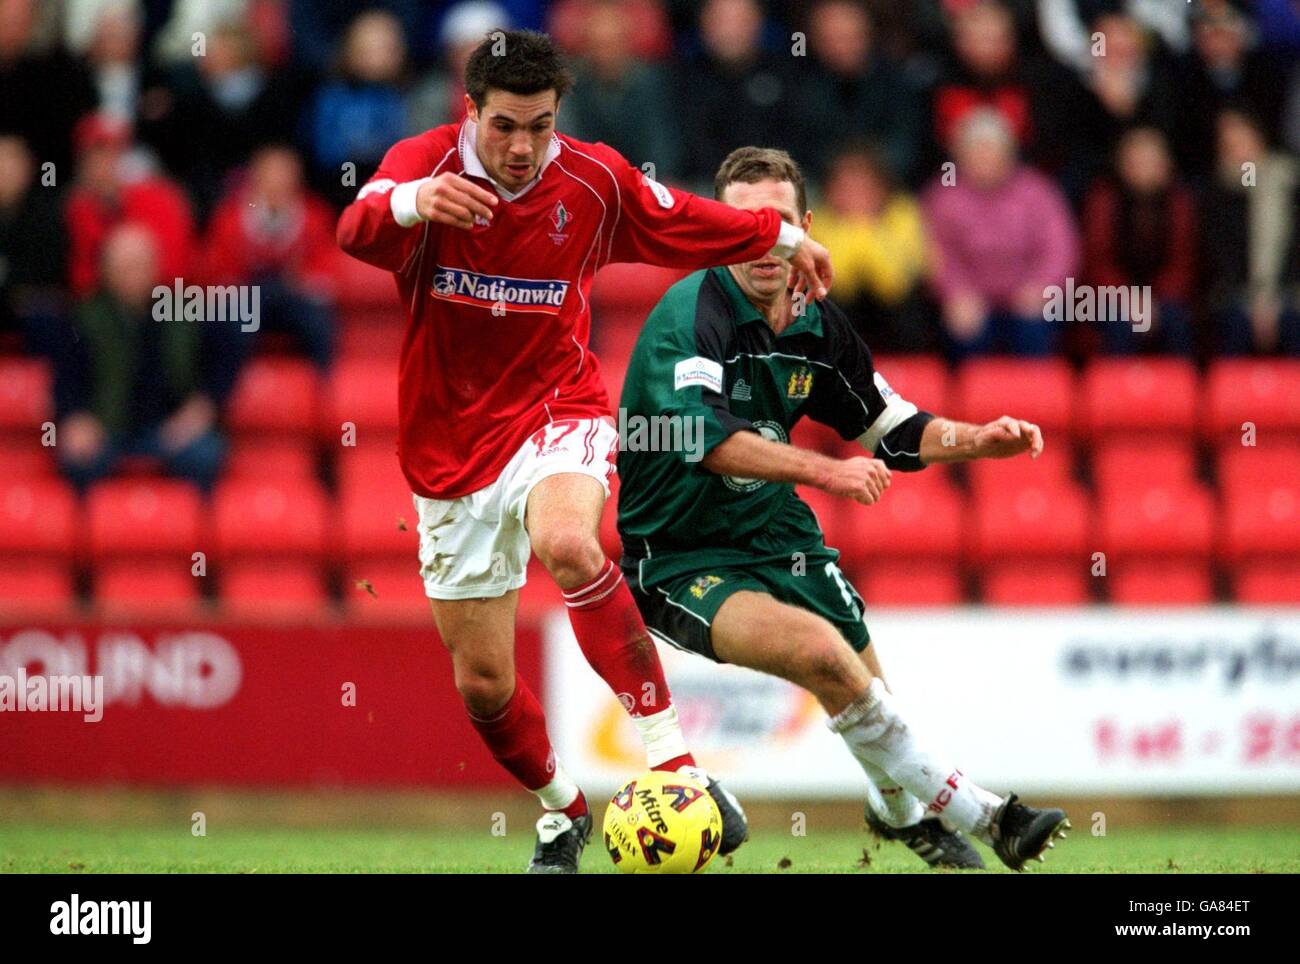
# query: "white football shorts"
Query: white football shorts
{"points": [[476, 546]]}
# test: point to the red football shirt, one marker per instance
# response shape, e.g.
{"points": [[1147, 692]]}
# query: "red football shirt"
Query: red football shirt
{"points": [[496, 340]]}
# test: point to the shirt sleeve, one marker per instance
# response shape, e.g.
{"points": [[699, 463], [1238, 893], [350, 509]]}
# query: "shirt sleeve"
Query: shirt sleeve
{"points": [[656, 224], [381, 227], [683, 378], [855, 400]]}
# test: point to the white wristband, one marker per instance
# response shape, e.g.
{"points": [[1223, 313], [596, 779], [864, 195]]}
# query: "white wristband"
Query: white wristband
{"points": [[401, 201], [787, 241]]}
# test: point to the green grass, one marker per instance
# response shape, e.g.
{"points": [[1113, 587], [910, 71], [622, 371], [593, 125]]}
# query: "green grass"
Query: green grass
{"points": [[87, 849]]}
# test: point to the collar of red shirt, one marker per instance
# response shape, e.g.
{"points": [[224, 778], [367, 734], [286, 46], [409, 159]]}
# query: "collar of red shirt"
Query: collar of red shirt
{"points": [[469, 160]]}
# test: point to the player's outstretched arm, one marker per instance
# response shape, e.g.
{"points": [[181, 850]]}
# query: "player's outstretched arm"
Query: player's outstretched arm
{"points": [[750, 456], [944, 440]]}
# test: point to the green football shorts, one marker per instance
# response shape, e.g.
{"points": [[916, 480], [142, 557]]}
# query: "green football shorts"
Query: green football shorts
{"points": [[679, 593]]}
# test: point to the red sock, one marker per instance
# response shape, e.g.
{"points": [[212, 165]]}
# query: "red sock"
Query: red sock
{"points": [[613, 637], [676, 763], [517, 738]]}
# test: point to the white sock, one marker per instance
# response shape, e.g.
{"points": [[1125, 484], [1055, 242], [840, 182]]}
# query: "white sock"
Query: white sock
{"points": [[876, 735], [560, 792], [897, 806], [661, 734]]}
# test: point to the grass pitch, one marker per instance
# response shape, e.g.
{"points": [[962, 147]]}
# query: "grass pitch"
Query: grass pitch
{"points": [[88, 849]]}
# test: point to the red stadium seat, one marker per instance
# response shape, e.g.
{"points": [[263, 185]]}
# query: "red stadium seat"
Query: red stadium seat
{"points": [[613, 370], [30, 586], [1139, 395], [1265, 392], [1122, 464], [921, 379], [395, 592], [136, 588], [891, 582], [1052, 468], [1271, 582], [25, 457], [1147, 582], [278, 589], [24, 394], [361, 285], [38, 517], [274, 395], [366, 338], [909, 522], [274, 458], [269, 518], [1039, 583], [1036, 390], [376, 512], [1261, 520], [1156, 519], [808, 434], [1244, 467], [363, 392], [634, 288], [144, 517], [1033, 520]]}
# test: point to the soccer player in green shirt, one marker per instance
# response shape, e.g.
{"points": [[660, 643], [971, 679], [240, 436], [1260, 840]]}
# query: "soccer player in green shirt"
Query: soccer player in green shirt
{"points": [[726, 561]]}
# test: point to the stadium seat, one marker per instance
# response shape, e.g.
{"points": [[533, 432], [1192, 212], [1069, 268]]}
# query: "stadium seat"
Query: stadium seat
{"points": [[921, 379], [1059, 582], [631, 288], [1165, 582], [890, 582], [24, 394], [1139, 396], [395, 592], [376, 515], [910, 522], [1244, 467], [274, 395], [372, 336], [1126, 463], [135, 588], [270, 518], [361, 285], [1037, 520], [1271, 582], [1262, 520], [613, 370], [363, 392], [1052, 468], [144, 518], [1039, 390], [35, 586], [278, 589], [1265, 392], [273, 458], [1155, 519], [24, 457], [38, 517]]}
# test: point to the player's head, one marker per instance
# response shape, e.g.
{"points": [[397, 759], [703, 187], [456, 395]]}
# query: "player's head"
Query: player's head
{"points": [[513, 85], [763, 177]]}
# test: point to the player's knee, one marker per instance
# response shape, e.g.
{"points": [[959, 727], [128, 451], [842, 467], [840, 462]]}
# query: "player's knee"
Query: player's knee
{"points": [[484, 692], [827, 661], [570, 554]]}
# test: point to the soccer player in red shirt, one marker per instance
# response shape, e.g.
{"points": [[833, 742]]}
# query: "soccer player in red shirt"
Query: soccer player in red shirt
{"points": [[494, 229]]}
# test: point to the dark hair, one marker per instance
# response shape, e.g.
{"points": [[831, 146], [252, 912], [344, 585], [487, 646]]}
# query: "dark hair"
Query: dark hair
{"points": [[518, 62], [749, 165]]}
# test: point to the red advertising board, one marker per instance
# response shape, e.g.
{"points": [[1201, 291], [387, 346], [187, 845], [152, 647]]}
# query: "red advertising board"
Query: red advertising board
{"points": [[252, 705]]}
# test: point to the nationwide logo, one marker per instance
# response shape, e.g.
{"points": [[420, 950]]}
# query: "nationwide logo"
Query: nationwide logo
{"points": [[498, 292]]}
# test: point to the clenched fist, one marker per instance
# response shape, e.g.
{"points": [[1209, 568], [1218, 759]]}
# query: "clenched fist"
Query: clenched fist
{"points": [[861, 479], [454, 200]]}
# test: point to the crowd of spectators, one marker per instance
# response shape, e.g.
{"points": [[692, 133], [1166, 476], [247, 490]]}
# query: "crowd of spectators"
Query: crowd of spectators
{"points": [[964, 156]]}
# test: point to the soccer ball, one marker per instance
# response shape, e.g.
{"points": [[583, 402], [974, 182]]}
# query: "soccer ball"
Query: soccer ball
{"points": [[662, 823]]}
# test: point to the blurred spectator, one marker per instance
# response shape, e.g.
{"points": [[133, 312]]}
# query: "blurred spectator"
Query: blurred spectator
{"points": [[135, 387], [1252, 246], [42, 93], [356, 117], [113, 56], [320, 27], [111, 190], [439, 98], [33, 253], [1225, 70], [1002, 232], [1140, 229], [1067, 26], [620, 100], [649, 33], [987, 71], [223, 106], [877, 240], [272, 233], [858, 92], [1132, 82], [738, 93], [174, 44]]}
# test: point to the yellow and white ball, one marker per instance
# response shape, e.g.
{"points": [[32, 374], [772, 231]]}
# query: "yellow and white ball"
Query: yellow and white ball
{"points": [[662, 823]]}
